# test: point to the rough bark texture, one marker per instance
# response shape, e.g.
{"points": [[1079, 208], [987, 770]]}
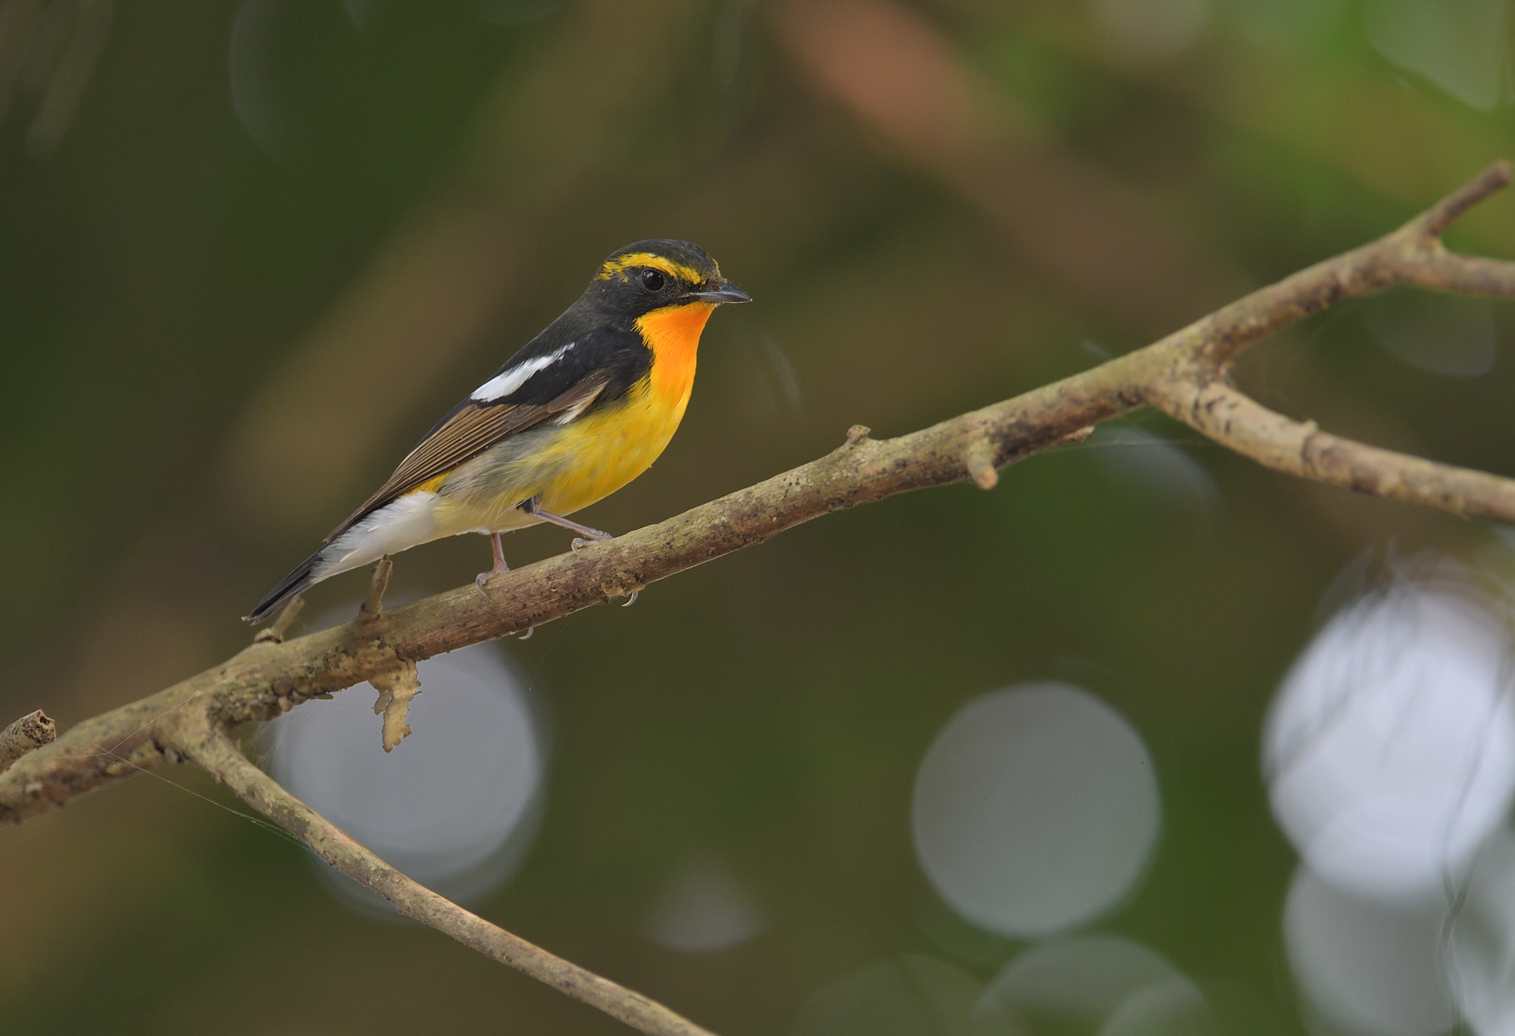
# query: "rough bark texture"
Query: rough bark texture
{"points": [[33, 730], [1184, 375]]}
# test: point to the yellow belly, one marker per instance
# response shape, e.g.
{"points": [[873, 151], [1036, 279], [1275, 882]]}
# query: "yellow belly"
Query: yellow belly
{"points": [[603, 452], [567, 469]]}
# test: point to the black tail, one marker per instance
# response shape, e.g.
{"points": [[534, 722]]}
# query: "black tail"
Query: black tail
{"points": [[292, 584]]}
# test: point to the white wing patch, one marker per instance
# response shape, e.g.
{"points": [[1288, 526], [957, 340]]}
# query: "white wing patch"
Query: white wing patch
{"points": [[512, 378]]}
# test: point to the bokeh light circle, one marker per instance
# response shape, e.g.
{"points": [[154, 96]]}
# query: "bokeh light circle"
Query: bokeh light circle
{"points": [[455, 805], [1390, 749], [704, 908], [1074, 982], [1035, 809], [1366, 967], [1175, 1007]]}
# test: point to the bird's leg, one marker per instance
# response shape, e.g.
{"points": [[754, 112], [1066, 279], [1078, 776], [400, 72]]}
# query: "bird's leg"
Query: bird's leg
{"points": [[497, 549], [586, 533]]}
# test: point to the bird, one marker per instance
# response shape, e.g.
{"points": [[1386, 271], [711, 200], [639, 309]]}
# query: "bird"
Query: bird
{"points": [[575, 414]]}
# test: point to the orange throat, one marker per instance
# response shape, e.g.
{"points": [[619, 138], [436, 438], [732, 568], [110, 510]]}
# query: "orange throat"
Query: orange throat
{"points": [[673, 335]]}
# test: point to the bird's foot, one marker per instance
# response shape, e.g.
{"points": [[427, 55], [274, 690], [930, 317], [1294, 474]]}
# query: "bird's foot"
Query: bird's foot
{"points": [[587, 534], [497, 550]]}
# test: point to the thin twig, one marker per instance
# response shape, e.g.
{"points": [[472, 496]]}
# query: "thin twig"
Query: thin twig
{"points": [[214, 751], [1301, 448], [1435, 220]]}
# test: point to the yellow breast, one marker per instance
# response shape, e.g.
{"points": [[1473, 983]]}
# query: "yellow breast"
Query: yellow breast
{"points": [[605, 450]]}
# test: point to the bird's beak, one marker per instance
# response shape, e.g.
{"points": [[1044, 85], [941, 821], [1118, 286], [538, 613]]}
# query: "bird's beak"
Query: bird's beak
{"points": [[723, 292]]}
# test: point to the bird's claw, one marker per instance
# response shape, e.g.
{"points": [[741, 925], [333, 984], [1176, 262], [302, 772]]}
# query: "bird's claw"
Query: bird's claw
{"points": [[631, 599], [578, 543]]}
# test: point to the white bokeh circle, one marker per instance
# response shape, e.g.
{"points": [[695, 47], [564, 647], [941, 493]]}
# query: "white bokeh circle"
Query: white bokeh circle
{"points": [[1367, 967], [1174, 1007], [1035, 809], [1073, 982], [1389, 751], [455, 805]]}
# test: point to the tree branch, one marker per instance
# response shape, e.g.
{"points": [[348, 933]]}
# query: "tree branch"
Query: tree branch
{"points": [[1184, 374], [215, 752], [1301, 448]]}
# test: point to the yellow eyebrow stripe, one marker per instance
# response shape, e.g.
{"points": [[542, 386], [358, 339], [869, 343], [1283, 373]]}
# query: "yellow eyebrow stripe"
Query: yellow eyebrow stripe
{"points": [[621, 263]]}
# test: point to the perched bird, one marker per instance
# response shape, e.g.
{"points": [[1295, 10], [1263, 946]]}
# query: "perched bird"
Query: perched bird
{"points": [[579, 411]]}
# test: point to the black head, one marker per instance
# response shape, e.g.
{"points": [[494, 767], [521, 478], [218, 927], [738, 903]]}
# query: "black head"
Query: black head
{"points": [[648, 275]]}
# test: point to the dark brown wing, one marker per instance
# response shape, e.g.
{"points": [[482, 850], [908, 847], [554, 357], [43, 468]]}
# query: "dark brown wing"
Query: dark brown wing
{"points": [[469, 430]]}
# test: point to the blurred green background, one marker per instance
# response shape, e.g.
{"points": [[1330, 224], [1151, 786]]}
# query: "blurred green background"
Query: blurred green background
{"points": [[248, 253]]}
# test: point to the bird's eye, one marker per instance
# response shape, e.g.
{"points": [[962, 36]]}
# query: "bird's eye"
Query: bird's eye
{"points": [[653, 280]]}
